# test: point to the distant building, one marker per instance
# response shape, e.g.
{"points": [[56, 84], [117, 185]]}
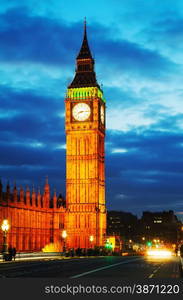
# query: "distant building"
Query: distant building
{"points": [[163, 225], [123, 224]]}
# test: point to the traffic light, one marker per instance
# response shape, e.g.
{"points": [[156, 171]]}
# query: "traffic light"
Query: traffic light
{"points": [[149, 243], [108, 245]]}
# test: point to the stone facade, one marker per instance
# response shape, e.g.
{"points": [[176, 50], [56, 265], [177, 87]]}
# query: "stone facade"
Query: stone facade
{"points": [[35, 220]]}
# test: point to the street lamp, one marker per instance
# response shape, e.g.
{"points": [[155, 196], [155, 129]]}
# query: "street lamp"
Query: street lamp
{"points": [[5, 227], [64, 235], [91, 239]]}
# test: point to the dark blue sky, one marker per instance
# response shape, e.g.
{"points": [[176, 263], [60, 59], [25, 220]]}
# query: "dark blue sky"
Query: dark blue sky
{"points": [[138, 48]]}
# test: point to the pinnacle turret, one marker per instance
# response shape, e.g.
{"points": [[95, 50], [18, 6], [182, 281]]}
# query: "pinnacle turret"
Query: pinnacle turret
{"points": [[47, 186]]}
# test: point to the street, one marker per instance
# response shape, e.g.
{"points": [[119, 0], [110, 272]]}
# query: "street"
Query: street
{"points": [[129, 267]]}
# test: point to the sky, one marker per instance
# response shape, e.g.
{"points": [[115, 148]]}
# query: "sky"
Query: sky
{"points": [[138, 51]]}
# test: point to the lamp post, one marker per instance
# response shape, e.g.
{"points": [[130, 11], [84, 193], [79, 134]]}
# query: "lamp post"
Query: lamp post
{"points": [[91, 240], [5, 227], [64, 235]]}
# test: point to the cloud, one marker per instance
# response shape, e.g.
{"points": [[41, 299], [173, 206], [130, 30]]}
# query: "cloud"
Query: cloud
{"points": [[164, 34], [45, 40], [140, 67], [149, 172], [40, 39], [119, 150], [31, 131]]}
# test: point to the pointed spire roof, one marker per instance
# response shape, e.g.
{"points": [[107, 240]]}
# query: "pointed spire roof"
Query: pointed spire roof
{"points": [[15, 187], [85, 74], [47, 186], [85, 50], [33, 189], [46, 181], [8, 186]]}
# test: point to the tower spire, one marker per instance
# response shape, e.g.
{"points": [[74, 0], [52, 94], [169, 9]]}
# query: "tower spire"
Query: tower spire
{"points": [[85, 52], [85, 74], [85, 25]]}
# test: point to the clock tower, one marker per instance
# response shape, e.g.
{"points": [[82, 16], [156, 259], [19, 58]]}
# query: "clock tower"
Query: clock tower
{"points": [[85, 165]]}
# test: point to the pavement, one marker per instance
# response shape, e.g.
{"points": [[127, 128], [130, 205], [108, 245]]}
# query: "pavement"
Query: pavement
{"points": [[134, 267]]}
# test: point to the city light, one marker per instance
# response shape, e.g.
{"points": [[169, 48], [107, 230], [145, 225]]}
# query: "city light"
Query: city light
{"points": [[85, 92], [5, 226], [108, 245], [159, 253], [91, 238], [64, 234]]}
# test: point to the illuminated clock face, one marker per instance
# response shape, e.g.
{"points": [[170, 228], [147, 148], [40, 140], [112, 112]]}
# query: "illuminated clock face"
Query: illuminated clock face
{"points": [[81, 111], [102, 114]]}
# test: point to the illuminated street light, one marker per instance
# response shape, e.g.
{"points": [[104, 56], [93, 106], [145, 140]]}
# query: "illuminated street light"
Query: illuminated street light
{"points": [[143, 238], [64, 236], [91, 238], [5, 227]]}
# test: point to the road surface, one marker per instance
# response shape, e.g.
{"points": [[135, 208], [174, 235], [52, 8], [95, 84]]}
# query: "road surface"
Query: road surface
{"points": [[129, 267]]}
